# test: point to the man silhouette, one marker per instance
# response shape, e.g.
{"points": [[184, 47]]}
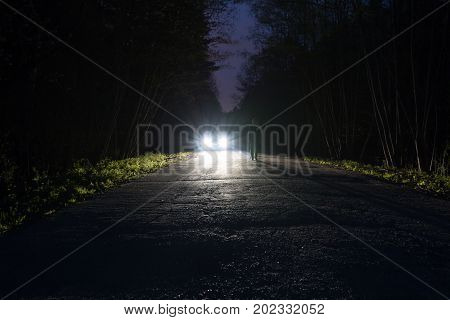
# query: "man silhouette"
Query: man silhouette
{"points": [[252, 141]]}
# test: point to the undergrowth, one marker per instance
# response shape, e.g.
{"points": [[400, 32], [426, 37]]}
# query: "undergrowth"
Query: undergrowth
{"points": [[43, 194], [436, 184]]}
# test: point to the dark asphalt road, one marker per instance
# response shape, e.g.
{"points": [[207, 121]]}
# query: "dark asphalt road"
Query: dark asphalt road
{"points": [[228, 232]]}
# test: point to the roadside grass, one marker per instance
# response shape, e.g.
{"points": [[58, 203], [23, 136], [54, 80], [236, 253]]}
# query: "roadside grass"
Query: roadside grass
{"points": [[45, 193], [435, 184]]}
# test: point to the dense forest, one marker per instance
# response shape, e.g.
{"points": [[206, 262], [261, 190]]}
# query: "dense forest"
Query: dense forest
{"points": [[392, 108], [57, 106]]}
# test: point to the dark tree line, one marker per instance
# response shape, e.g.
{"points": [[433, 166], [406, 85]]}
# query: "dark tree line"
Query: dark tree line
{"points": [[57, 107], [392, 108]]}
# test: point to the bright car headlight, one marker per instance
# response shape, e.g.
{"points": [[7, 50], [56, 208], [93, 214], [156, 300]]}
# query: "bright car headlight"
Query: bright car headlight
{"points": [[223, 142], [207, 141]]}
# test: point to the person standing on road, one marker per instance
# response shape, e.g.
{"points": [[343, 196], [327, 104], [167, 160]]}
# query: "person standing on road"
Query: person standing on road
{"points": [[252, 141]]}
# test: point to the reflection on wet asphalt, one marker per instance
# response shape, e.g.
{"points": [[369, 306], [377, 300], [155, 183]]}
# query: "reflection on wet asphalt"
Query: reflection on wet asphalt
{"points": [[223, 231]]}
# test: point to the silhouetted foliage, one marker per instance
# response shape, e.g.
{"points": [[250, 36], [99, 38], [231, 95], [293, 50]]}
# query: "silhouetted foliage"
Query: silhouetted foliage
{"points": [[391, 108], [57, 107]]}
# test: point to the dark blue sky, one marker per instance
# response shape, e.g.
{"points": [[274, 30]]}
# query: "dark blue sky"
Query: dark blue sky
{"points": [[227, 77]]}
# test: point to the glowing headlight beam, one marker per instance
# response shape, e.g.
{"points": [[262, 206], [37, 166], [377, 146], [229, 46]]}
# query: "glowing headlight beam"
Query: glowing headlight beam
{"points": [[207, 141], [223, 142]]}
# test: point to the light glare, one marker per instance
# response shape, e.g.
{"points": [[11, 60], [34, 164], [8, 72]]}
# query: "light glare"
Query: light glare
{"points": [[223, 142], [207, 141]]}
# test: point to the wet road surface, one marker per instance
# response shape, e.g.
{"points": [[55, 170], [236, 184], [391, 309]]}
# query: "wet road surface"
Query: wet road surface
{"points": [[226, 227]]}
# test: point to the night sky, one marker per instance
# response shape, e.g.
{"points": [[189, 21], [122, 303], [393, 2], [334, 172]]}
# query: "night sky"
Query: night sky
{"points": [[227, 76]]}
